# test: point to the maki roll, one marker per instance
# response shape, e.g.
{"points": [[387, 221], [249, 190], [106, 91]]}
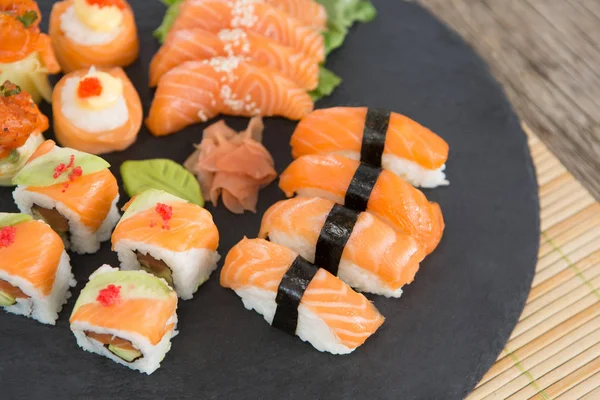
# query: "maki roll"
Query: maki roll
{"points": [[72, 191], [26, 55], [358, 248], [376, 137], [295, 296], [361, 187], [93, 32], [127, 316], [168, 237], [22, 125], [96, 110], [35, 272]]}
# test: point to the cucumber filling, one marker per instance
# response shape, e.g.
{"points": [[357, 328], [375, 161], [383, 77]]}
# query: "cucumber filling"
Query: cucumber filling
{"points": [[9, 294], [6, 299], [155, 267], [121, 348]]}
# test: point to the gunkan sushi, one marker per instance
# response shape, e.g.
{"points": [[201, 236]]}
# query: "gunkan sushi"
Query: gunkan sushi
{"points": [[364, 188], [295, 296], [358, 248], [168, 237], [73, 192], [35, 272], [126, 316], [376, 137]]}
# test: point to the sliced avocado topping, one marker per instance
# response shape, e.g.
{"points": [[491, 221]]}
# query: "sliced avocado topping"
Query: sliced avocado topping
{"points": [[149, 199], [6, 299], [155, 267], [9, 219], [41, 171], [126, 354]]}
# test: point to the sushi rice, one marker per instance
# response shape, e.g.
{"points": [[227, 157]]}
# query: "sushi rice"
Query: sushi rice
{"points": [[75, 30]]}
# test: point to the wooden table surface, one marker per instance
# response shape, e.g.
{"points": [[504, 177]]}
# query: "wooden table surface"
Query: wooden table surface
{"points": [[546, 53]]}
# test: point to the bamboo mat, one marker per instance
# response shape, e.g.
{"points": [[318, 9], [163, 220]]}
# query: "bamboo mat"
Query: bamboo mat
{"points": [[554, 351]]}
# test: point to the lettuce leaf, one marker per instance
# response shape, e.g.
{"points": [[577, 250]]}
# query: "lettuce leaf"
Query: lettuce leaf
{"points": [[168, 20], [328, 81]]}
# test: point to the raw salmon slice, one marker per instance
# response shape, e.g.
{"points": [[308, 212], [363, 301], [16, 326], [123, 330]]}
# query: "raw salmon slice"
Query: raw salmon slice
{"points": [[255, 16], [308, 11], [199, 90], [391, 199], [200, 44]]}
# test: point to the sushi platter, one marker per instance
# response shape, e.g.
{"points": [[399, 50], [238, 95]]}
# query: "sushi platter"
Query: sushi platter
{"points": [[166, 245]]}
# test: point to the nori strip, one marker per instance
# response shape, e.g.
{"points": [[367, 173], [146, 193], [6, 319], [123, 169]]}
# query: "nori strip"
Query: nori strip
{"points": [[374, 135], [361, 186], [333, 237], [290, 292]]}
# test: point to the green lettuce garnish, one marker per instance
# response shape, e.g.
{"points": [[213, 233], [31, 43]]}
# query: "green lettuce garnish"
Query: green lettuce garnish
{"points": [[341, 15]]}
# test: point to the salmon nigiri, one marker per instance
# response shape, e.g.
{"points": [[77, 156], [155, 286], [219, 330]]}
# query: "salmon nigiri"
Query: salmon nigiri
{"points": [[96, 110], [359, 248], [365, 188], [252, 15], [376, 137], [199, 90], [308, 11], [295, 296], [200, 44], [93, 32]]}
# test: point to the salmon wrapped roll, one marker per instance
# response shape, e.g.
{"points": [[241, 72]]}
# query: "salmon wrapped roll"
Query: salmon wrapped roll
{"points": [[93, 32], [358, 248], [35, 272], [96, 110], [74, 192], [361, 187], [168, 237], [126, 316], [22, 125], [26, 55], [298, 298]]}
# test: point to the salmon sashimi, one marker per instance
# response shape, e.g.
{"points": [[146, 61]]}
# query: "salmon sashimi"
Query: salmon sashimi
{"points": [[255, 16], [308, 11], [199, 90], [376, 137], [365, 188], [108, 126], [26, 10], [359, 248], [127, 316], [200, 44], [110, 44], [72, 191], [259, 272]]}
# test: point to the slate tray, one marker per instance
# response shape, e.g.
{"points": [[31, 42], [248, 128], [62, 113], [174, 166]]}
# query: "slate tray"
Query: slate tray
{"points": [[438, 339]]}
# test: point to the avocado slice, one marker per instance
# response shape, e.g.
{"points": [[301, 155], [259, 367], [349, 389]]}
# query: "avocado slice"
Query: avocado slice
{"points": [[6, 299], [127, 355], [155, 267]]}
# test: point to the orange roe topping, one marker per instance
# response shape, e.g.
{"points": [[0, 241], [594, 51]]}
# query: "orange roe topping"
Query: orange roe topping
{"points": [[89, 87], [109, 296], [165, 212], [152, 223], [7, 236], [107, 3]]}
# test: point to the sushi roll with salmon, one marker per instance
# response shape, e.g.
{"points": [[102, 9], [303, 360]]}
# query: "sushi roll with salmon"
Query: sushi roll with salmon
{"points": [[21, 127], [96, 110], [73, 192], [168, 237], [93, 32], [197, 91], [361, 187], [358, 248], [126, 316], [200, 44], [298, 298], [26, 55], [376, 137], [35, 272]]}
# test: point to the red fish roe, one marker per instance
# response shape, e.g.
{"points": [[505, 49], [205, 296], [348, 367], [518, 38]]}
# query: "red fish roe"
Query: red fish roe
{"points": [[7, 236], [152, 224], [76, 173], [106, 3], [71, 161], [58, 170], [165, 212], [89, 87], [109, 295]]}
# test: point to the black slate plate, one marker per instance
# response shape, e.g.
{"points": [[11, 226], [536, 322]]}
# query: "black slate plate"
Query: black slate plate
{"points": [[450, 324]]}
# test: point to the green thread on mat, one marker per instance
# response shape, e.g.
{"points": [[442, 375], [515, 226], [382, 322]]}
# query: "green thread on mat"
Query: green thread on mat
{"points": [[571, 264], [526, 372]]}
